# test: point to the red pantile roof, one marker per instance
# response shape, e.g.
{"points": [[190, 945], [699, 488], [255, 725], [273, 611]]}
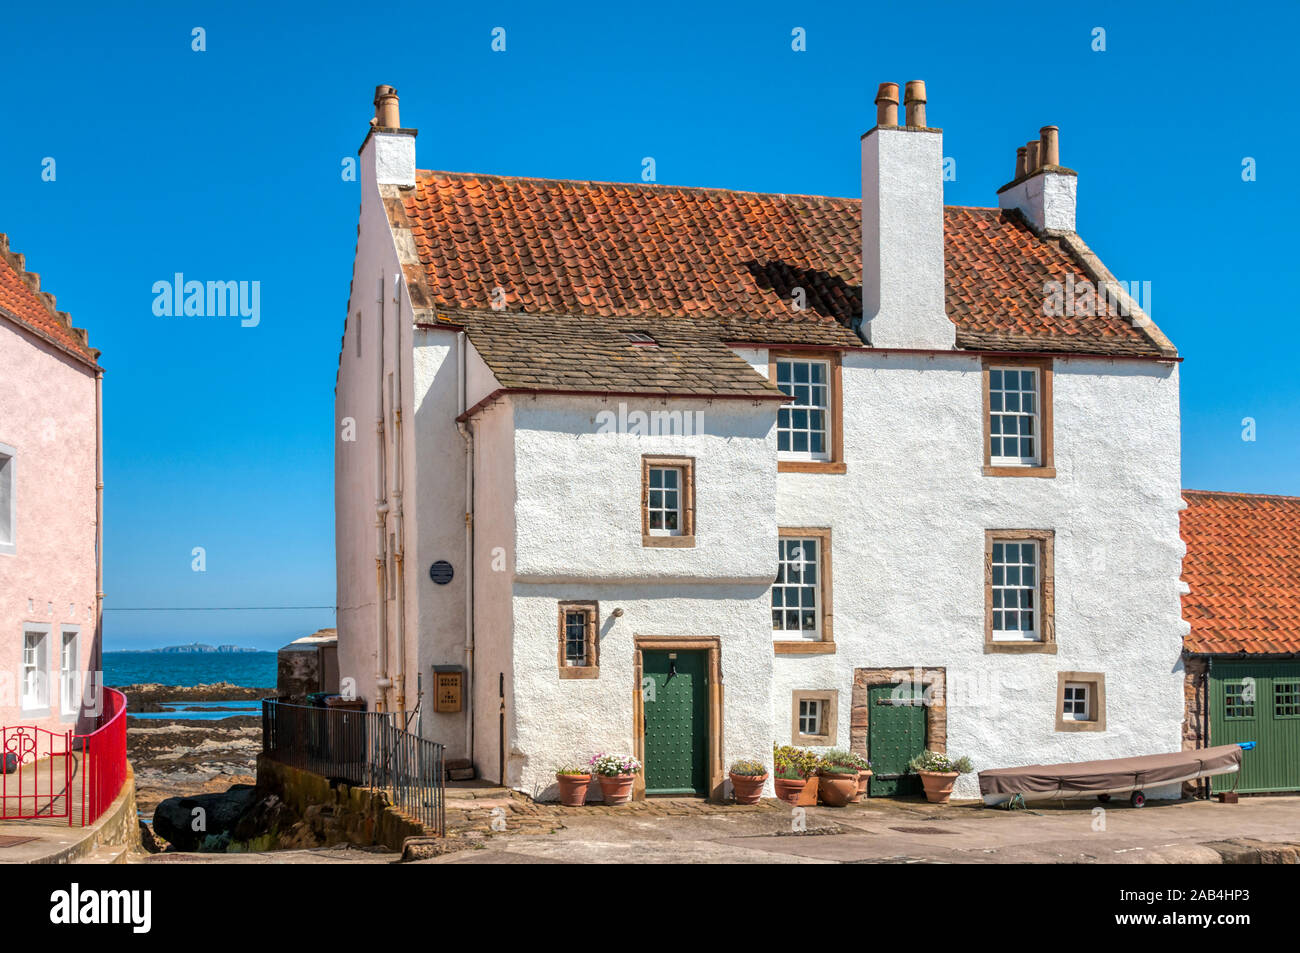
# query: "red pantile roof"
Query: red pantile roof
{"points": [[22, 301], [1243, 571], [608, 250]]}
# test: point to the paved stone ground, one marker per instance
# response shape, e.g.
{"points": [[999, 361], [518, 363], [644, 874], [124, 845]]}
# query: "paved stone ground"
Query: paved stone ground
{"points": [[876, 831], [1257, 830]]}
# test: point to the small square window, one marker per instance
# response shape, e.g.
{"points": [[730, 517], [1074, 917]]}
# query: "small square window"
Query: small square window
{"points": [[1239, 699], [1075, 707], [1286, 698], [1080, 701], [813, 717]]}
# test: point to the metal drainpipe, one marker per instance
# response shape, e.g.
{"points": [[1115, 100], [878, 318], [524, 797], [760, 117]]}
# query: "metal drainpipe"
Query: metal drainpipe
{"points": [[467, 433], [96, 655], [1205, 721], [381, 517], [400, 548]]}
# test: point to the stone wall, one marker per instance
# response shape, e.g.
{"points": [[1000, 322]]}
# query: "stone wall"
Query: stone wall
{"points": [[1194, 721], [340, 813]]}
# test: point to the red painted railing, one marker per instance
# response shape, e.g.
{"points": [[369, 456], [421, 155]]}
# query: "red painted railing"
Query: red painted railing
{"points": [[36, 771], [103, 761], [48, 775]]}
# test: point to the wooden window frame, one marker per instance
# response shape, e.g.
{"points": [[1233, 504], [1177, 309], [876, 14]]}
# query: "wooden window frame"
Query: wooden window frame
{"points": [[830, 699], [685, 539], [1046, 467], [1096, 682], [826, 644], [1046, 641], [836, 462], [593, 640]]}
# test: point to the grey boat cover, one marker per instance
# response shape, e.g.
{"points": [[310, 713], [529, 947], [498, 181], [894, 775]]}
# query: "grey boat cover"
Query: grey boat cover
{"points": [[1113, 774]]}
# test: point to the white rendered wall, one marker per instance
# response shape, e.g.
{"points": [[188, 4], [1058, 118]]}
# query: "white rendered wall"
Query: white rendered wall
{"points": [[902, 240], [576, 544], [908, 522], [1048, 200]]}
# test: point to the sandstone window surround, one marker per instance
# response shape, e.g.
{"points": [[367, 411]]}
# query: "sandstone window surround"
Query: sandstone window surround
{"points": [[810, 429], [1019, 591], [814, 717], [802, 610], [579, 642], [1080, 701], [667, 501], [1018, 427]]}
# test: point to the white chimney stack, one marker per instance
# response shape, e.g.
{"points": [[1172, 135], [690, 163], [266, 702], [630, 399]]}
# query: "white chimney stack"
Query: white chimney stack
{"points": [[389, 150], [902, 227], [1043, 190]]}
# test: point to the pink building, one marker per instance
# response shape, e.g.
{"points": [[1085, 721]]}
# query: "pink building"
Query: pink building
{"points": [[50, 510]]}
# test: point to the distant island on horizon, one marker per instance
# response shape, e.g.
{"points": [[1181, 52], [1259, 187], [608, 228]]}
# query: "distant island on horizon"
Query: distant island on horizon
{"points": [[196, 648]]}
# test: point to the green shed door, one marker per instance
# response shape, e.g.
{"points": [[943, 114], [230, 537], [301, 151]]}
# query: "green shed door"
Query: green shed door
{"points": [[895, 735], [676, 722], [1259, 702]]}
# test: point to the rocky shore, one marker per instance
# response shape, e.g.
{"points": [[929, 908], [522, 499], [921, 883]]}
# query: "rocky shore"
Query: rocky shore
{"points": [[184, 757]]}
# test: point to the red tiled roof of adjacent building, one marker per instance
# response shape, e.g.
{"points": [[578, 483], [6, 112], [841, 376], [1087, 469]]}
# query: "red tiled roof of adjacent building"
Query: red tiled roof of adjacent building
{"points": [[22, 301], [609, 250], [1243, 571]]}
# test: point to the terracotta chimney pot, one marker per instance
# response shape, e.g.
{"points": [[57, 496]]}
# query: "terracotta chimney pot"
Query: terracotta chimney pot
{"points": [[386, 113], [887, 104], [1049, 138], [1032, 156], [914, 99], [1020, 163]]}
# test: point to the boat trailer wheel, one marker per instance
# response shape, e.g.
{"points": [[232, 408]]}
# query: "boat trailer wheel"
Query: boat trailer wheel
{"points": [[1137, 799]]}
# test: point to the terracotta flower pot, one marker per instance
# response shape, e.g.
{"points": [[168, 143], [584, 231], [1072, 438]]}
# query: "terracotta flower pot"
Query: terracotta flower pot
{"points": [[789, 789], [573, 789], [748, 788], [864, 778], [836, 790], [938, 785], [616, 788]]}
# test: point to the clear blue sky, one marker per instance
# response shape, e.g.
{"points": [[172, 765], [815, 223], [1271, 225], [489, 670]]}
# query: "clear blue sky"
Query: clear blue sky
{"points": [[225, 164]]}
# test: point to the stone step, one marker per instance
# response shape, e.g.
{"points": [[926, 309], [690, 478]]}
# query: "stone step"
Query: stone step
{"points": [[106, 854]]}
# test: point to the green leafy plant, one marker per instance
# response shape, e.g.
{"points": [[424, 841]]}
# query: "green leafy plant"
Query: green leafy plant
{"points": [[572, 769], [837, 756], [793, 763], [934, 761], [749, 768]]}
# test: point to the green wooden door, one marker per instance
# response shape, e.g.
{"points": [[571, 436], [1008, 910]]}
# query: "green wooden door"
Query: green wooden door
{"points": [[895, 734], [676, 722], [1259, 702]]}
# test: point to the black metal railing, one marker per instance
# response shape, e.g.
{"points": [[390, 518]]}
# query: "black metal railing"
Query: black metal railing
{"points": [[362, 748]]}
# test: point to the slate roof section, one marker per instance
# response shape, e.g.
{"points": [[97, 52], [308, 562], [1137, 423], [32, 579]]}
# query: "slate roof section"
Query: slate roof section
{"points": [[611, 250], [562, 353], [22, 300], [1243, 571]]}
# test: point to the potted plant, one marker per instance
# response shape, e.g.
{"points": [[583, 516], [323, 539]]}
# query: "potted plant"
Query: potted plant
{"points": [[747, 779], [615, 772], [858, 763], [573, 781], [837, 781], [938, 772], [793, 768]]}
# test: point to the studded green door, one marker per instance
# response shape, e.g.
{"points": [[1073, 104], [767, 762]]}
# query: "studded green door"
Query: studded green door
{"points": [[1257, 701], [676, 722], [895, 734]]}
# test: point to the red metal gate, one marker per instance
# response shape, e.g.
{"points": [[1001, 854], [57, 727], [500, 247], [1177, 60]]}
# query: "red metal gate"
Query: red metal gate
{"points": [[37, 769]]}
